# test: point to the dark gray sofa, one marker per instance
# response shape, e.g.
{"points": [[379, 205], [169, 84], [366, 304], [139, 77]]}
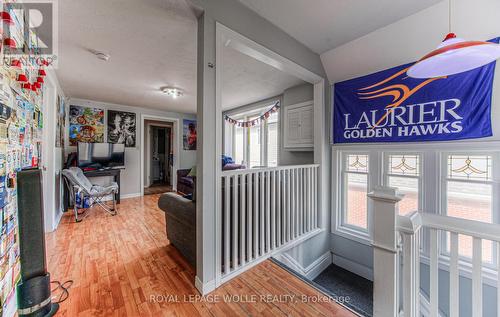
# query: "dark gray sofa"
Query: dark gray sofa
{"points": [[180, 217]]}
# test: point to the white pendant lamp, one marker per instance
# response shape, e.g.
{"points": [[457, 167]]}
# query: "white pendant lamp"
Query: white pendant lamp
{"points": [[453, 56]]}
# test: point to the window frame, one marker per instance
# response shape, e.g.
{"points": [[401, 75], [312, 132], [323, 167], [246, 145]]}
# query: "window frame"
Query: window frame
{"points": [[386, 174], [433, 165], [263, 134], [465, 262], [341, 226]]}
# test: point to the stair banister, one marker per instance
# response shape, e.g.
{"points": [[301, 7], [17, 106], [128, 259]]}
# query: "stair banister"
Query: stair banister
{"points": [[409, 227], [385, 253]]}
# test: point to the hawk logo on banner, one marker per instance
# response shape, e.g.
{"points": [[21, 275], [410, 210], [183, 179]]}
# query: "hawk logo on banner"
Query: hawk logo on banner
{"points": [[388, 106]]}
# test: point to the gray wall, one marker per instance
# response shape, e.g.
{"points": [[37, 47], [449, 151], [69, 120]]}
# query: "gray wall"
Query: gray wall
{"points": [[130, 176], [239, 18], [293, 96]]}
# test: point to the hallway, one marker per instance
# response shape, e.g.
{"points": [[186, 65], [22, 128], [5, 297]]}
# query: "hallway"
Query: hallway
{"points": [[124, 266]]}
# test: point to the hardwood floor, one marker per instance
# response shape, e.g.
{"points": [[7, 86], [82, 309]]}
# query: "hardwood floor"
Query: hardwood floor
{"points": [[157, 189], [124, 266]]}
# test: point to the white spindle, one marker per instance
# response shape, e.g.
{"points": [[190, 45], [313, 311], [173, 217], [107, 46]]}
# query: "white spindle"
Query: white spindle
{"points": [[279, 212], [262, 213], [227, 225], [293, 206], [454, 275], [434, 302], [477, 282], [300, 197], [297, 203], [268, 211], [309, 200], [498, 279], [288, 208], [255, 215], [411, 269], [249, 217], [273, 210], [315, 194], [235, 221], [242, 187]]}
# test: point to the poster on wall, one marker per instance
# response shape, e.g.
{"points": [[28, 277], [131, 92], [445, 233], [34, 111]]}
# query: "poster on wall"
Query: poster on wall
{"points": [[121, 128], [85, 125], [60, 121], [389, 106], [189, 134]]}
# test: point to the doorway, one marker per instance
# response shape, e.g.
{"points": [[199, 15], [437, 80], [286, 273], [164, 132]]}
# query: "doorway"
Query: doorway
{"points": [[160, 160], [159, 153]]}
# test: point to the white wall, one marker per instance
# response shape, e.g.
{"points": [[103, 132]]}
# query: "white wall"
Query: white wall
{"points": [[130, 176], [411, 38]]}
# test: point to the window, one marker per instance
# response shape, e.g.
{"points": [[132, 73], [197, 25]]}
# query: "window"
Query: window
{"points": [[272, 140], [458, 184], [239, 145], [403, 172], [469, 195], [256, 146], [354, 191]]}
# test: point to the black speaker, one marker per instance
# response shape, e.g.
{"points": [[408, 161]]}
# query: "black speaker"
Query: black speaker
{"points": [[31, 224], [33, 291]]}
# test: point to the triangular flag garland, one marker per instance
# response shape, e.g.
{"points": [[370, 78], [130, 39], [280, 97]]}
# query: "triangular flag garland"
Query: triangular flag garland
{"points": [[256, 121]]}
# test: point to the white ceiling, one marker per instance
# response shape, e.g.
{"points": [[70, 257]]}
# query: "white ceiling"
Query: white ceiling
{"points": [[323, 25], [152, 43], [246, 80]]}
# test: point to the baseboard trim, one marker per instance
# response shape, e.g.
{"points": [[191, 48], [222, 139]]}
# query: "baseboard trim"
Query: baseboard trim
{"points": [[204, 288], [130, 195], [353, 267], [312, 270], [58, 220]]}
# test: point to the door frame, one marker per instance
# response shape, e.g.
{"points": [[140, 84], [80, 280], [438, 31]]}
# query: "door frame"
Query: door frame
{"points": [[48, 167], [176, 147], [226, 37], [148, 150]]}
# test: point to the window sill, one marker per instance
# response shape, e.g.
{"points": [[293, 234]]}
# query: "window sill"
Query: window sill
{"points": [[352, 234]]}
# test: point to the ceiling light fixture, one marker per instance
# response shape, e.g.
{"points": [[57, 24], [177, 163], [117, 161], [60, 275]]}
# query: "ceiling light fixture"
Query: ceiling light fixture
{"points": [[101, 55], [172, 92], [454, 55]]}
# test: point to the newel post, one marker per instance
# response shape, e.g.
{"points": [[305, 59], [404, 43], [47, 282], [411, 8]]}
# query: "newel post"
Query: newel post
{"points": [[385, 279]]}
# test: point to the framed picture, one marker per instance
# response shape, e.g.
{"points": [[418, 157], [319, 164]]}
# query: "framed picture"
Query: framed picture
{"points": [[189, 136], [86, 125], [122, 127]]}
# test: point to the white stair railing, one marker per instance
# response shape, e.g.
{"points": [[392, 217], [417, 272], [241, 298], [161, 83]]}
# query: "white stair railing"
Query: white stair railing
{"points": [[263, 212], [398, 237]]}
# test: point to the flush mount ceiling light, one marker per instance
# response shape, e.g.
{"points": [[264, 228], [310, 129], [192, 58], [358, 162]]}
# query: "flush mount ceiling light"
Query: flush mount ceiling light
{"points": [[101, 55], [172, 92], [454, 55]]}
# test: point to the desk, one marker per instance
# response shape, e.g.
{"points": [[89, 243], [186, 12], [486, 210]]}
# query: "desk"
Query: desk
{"points": [[115, 172]]}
